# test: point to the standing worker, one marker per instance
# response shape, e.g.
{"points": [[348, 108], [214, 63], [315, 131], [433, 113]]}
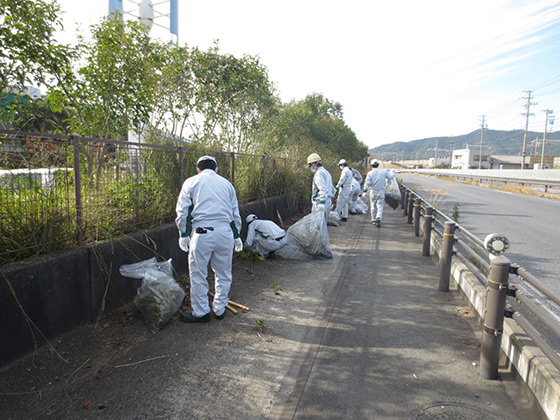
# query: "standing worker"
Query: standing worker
{"points": [[344, 187], [264, 235], [323, 188], [376, 180], [209, 223]]}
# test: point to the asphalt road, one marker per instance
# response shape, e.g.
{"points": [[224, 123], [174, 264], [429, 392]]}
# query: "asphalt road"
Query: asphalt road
{"points": [[531, 224]]}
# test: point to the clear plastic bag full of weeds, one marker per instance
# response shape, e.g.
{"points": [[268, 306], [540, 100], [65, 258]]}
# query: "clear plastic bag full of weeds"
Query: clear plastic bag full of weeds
{"points": [[159, 296]]}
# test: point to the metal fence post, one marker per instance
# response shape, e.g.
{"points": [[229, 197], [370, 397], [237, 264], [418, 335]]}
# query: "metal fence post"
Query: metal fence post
{"points": [[405, 212], [410, 208], [492, 329], [446, 256], [402, 196], [233, 168], [426, 240], [78, 187], [417, 206], [181, 165]]}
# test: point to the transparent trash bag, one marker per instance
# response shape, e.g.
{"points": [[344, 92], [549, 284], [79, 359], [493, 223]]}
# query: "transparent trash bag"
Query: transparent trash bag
{"points": [[159, 296], [333, 219], [392, 193], [361, 206], [310, 235]]}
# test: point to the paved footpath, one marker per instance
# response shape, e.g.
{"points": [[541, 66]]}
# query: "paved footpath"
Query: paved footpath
{"points": [[366, 337]]}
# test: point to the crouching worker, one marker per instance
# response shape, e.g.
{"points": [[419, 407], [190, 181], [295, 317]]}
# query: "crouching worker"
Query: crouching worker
{"points": [[265, 236]]}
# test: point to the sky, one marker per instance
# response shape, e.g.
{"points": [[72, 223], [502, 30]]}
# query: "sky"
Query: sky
{"points": [[402, 70]]}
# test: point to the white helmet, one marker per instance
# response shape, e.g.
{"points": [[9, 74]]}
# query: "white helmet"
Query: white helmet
{"points": [[374, 161], [202, 158], [250, 218], [343, 162], [313, 157]]}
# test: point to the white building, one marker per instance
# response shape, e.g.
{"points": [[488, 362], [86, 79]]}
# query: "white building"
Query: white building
{"points": [[470, 158]]}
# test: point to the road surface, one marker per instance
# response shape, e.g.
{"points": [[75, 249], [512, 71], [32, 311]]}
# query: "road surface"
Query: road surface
{"points": [[531, 224]]}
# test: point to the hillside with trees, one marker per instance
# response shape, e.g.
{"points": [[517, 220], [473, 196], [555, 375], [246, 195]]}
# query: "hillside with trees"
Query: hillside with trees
{"points": [[500, 143]]}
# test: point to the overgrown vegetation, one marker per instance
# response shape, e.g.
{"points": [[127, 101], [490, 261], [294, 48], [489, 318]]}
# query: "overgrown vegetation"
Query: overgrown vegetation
{"points": [[122, 85]]}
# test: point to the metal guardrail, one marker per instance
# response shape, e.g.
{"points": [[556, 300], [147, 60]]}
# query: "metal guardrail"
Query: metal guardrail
{"points": [[494, 274], [544, 183]]}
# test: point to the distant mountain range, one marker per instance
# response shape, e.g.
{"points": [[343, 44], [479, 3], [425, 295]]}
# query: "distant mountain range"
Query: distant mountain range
{"points": [[500, 142]]}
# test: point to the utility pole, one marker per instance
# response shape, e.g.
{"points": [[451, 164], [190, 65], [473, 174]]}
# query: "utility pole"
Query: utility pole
{"points": [[547, 112], [526, 114], [482, 127], [451, 151]]}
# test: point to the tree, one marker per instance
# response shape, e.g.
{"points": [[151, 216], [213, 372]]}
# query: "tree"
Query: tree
{"points": [[112, 89], [29, 53]]}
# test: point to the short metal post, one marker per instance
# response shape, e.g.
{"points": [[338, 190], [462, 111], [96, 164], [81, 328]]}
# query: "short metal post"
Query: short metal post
{"points": [[402, 196], [426, 240], [405, 212], [492, 329], [410, 208], [446, 256], [417, 206], [77, 187]]}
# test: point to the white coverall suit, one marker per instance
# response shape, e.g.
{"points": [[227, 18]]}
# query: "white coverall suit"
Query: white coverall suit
{"points": [[375, 181], [322, 191], [354, 194], [265, 236], [344, 186], [357, 175], [208, 205]]}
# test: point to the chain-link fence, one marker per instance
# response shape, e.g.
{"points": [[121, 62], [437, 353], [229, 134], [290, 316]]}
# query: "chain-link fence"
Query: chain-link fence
{"points": [[57, 192]]}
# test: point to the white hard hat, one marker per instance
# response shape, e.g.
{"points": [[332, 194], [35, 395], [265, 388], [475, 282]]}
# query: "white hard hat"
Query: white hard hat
{"points": [[374, 161], [202, 158], [313, 157], [250, 218], [343, 162]]}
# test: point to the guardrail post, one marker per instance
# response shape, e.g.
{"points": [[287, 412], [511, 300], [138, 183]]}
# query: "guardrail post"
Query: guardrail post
{"points": [[406, 193], [446, 256], [492, 329], [402, 196], [410, 208], [426, 240], [417, 206]]}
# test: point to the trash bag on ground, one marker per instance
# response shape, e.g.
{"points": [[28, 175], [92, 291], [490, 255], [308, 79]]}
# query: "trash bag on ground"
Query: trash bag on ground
{"points": [[361, 206], [392, 193], [310, 235], [159, 296], [333, 219]]}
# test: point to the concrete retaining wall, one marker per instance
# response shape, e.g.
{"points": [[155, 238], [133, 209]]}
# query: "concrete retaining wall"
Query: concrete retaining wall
{"points": [[47, 296], [532, 368]]}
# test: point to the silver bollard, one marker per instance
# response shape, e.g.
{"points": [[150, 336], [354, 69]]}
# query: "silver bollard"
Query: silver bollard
{"points": [[446, 256], [417, 206], [492, 330], [406, 196], [410, 208], [427, 238]]}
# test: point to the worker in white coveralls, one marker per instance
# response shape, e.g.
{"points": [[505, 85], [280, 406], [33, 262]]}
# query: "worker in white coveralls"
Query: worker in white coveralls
{"points": [[375, 181], [354, 194], [209, 223], [357, 175], [264, 235], [343, 187], [322, 191]]}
